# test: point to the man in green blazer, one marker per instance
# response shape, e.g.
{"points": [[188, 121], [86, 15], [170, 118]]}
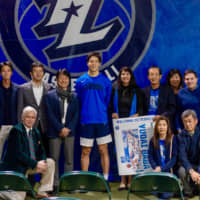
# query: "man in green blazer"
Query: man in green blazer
{"points": [[25, 154]]}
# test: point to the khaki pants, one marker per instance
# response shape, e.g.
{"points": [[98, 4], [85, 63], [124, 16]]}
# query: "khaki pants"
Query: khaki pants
{"points": [[46, 183], [4, 132]]}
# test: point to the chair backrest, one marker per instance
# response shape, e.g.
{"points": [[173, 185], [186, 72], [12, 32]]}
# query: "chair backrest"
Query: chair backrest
{"points": [[155, 182], [81, 181], [15, 181]]}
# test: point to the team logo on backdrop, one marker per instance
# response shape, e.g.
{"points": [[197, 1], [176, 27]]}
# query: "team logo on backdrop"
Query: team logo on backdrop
{"points": [[61, 33]]}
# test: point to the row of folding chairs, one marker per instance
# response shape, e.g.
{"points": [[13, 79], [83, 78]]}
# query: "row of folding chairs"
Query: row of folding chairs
{"points": [[80, 181]]}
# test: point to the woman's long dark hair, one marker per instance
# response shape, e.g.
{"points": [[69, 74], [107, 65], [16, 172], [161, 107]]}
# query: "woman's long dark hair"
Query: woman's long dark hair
{"points": [[171, 73], [156, 133]]}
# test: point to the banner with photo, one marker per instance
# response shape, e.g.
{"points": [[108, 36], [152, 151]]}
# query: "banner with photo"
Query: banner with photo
{"points": [[132, 136]]}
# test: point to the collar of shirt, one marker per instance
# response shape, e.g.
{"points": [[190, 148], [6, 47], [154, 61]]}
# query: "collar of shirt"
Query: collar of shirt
{"points": [[191, 134], [35, 86], [27, 130], [38, 91]]}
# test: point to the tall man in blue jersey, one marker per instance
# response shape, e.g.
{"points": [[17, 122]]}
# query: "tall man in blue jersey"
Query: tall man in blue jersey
{"points": [[94, 91]]}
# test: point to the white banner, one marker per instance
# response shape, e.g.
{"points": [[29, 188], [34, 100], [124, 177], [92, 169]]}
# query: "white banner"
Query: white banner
{"points": [[132, 136]]}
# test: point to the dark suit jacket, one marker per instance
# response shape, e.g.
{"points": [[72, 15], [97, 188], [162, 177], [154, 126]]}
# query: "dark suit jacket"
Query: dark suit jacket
{"points": [[166, 101], [17, 156], [53, 110], [26, 98], [155, 157], [189, 149], [13, 104]]}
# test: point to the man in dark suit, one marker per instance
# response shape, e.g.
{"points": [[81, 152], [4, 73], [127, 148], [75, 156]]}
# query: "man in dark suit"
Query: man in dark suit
{"points": [[159, 99], [31, 94], [189, 154], [8, 102], [62, 108], [25, 154]]}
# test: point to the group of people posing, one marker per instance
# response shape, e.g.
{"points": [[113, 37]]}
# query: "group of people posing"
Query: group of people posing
{"points": [[175, 145], [36, 119]]}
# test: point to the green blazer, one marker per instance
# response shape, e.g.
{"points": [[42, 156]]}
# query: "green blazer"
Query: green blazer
{"points": [[17, 156]]}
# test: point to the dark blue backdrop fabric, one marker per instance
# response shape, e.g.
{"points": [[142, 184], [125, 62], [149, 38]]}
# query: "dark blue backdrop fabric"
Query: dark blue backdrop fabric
{"points": [[175, 40]]}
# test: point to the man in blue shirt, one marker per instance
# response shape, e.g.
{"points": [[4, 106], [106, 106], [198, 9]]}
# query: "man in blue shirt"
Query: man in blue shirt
{"points": [[159, 99], [188, 97], [189, 152], [8, 102], [94, 91]]}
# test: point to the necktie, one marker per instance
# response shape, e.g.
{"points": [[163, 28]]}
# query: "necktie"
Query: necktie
{"points": [[31, 145]]}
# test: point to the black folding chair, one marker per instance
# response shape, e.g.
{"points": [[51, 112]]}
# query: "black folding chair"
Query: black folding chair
{"points": [[157, 182], [81, 181]]}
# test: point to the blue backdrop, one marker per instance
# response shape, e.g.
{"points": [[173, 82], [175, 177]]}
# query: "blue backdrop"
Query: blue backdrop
{"points": [[174, 41]]}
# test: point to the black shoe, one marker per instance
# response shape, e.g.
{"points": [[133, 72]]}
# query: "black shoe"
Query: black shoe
{"points": [[55, 191], [83, 191], [70, 192], [196, 192], [176, 195], [188, 194]]}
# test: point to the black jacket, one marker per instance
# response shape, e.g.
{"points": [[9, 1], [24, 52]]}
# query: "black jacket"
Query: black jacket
{"points": [[166, 101]]}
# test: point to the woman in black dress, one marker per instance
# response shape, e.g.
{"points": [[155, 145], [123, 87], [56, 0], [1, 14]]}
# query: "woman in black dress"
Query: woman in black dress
{"points": [[127, 101]]}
